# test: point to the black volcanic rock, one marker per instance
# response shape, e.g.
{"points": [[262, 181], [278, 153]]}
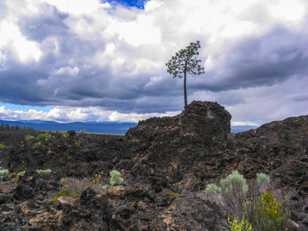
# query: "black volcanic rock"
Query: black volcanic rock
{"points": [[166, 163], [168, 148], [206, 121]]}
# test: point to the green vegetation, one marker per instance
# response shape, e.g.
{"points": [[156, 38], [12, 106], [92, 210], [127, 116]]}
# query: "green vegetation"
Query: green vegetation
{"points": [[213, 188], [270, 214], [250, 209], [2, 146], [115, 178], [234, 182], [43, 137], [71, 187], [40, 138], [21, 173], [262, 179], [65, 193], [240, 225], [4, 173], [44, 172]]}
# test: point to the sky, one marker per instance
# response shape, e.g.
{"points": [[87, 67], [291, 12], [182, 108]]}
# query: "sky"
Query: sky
{"points": [[98, 60]]}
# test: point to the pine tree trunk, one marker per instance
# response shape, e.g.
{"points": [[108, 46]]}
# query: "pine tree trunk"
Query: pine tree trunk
{"points": [[185, 90]]}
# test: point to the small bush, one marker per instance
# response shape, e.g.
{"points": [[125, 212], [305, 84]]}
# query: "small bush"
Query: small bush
{"points": [[212, 188], [21, 173], [234, 181], [2, 147], [115, 178], [270, 214], [43, 172], [250, 208], [65, 193], [4, 173], [262, 179], [240, 225]]}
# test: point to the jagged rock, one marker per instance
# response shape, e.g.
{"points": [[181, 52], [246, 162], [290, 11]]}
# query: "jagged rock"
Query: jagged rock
{"points": [[23, 192], [191, 212], [206, 121]]}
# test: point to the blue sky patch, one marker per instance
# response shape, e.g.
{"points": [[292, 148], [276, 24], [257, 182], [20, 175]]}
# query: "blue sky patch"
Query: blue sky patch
{"points": [[17, 107], [132, 3]]}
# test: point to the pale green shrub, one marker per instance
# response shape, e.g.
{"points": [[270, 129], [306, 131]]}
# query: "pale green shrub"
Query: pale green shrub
{"points": [[4, 173], [44, 172], [233, 182], [262, 179], [115, 178], [21, 173], [253, 208], [212, 188]]}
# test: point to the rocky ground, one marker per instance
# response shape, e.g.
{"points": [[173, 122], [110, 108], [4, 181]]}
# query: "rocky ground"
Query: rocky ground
{"points": [[166, 164]]}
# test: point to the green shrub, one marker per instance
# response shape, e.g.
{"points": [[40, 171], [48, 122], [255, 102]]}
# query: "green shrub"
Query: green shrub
{"points": [[240, 225], [43, 137], [21, 173], [2, 146], [213, 188], [71, 187], [262, 179], [44, 172], [65, 193], [233, 182], [270, 214], [250, 208], [115, 178], [4, 173]]}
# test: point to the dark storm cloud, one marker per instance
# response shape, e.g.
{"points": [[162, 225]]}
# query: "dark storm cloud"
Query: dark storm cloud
{"points": [[263, 61]]}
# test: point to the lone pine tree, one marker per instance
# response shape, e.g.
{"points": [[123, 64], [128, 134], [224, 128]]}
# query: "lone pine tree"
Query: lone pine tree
{"points": [[184, 62]]}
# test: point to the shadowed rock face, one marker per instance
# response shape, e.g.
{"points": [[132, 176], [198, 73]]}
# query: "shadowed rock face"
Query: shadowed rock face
{"points": [[166, 149], [166, 164], [202, 121]]}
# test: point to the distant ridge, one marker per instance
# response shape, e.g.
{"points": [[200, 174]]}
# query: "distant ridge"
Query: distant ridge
{"points": [[116, 128]]}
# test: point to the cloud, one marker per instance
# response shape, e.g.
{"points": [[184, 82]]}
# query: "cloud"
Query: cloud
{"points": [[73, 114], [68, 54]]}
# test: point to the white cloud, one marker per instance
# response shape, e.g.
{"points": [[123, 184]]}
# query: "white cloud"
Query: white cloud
{"points": [[89, 53], [12, 38], [73, 114]]}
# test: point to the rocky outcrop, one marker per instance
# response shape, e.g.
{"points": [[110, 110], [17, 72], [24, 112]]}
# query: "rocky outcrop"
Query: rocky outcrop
{"points": [[205, 122], [167, 149]]}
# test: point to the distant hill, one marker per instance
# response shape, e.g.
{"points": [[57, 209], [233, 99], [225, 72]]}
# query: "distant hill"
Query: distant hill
{"points": [[237, 129], [116, 128]]}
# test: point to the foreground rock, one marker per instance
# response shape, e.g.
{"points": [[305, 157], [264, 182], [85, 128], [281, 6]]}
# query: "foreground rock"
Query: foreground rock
{"points": [[166, 163]]}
